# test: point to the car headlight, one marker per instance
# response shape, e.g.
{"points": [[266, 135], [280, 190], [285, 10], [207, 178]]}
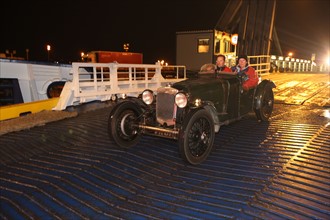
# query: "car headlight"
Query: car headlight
{"points": [[181, 100], [147, 96]]}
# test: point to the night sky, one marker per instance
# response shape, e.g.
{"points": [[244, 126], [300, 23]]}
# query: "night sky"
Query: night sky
{"points": [[72, 27]]}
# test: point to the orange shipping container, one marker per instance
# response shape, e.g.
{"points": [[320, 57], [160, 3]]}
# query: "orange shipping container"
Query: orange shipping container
{"points": [[111, 56]]}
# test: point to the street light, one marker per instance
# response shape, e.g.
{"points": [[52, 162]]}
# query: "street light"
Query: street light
{"points": [[82, 54], [126, 47], [48, 49], [290, 54], [27, 53]]}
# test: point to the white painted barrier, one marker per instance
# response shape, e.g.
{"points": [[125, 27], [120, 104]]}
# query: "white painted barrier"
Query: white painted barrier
{"points": [[104, 81]]}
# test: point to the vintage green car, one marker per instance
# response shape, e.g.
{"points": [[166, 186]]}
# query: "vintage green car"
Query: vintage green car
{"points": [[190, 111]]}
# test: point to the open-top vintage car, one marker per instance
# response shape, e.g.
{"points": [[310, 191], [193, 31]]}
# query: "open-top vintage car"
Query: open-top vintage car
{"points": [[190, 111]]}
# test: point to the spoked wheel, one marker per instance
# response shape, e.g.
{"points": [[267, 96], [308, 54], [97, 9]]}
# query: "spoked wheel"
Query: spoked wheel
{"points": [[267, 104], [197, 137], [123, 124]]}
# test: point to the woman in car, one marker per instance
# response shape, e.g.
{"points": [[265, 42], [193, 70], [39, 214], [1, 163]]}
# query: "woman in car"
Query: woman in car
{"points": [[249, 75]]}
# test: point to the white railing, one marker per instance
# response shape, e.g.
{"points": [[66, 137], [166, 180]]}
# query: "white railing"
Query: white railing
{"points": [[260, 63], [104, 81]]}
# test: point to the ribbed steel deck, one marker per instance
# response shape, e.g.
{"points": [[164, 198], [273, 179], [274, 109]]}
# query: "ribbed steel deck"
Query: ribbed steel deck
{"points": [[70, 170]]}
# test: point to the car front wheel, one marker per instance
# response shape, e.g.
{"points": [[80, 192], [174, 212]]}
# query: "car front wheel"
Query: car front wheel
{"points": [[196, 137], [122, 124]]}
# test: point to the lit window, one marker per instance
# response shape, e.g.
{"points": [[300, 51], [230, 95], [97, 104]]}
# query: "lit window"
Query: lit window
{"points": [[203, 45], [229, 47]]}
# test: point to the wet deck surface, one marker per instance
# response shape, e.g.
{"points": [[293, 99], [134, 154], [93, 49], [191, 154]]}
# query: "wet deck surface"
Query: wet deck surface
{"points": [[70, 170]]}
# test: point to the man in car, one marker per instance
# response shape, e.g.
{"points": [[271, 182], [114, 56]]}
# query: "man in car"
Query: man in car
{"points": [[249, 76], [220, 63]]}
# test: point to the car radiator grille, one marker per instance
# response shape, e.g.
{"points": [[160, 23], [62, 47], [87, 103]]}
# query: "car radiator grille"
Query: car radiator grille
{"points": [[165, 106]]}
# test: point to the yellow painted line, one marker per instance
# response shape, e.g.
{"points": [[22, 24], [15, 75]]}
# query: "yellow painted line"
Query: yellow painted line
{"points": [[16, 110]]}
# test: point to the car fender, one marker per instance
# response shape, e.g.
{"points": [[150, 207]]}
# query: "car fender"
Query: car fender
{"points": [[136, 101], [260, 90], [213, 112]]}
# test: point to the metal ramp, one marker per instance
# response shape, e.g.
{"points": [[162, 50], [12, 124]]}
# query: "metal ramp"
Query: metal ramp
{"points": [[69, 169], [105, 81]]}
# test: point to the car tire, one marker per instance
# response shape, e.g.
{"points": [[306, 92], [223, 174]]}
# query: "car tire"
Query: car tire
{"points": [[122, 124], [196, 137], [265, 110]]}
